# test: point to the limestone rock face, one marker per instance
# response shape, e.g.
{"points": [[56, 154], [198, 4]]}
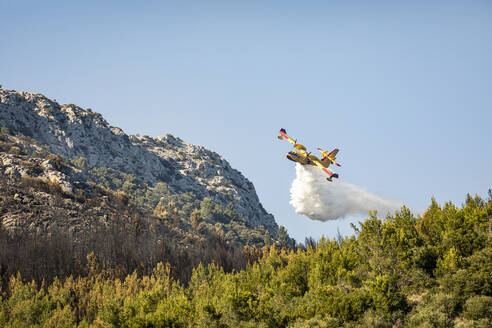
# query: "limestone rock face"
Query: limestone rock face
{"points": [[73, 132]]}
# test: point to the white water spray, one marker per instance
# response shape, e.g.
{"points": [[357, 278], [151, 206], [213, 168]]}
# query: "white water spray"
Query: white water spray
{"points": [[313, 196]]}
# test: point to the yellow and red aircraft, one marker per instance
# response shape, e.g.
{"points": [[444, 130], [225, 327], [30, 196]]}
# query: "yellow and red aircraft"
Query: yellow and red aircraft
{"points": [[301, 156]]}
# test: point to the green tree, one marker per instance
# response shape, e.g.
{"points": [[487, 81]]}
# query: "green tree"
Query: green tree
{"points": [[283, 236]]}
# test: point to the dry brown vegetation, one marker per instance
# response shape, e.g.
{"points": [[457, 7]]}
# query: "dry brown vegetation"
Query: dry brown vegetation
{"points": [[53, 231]]}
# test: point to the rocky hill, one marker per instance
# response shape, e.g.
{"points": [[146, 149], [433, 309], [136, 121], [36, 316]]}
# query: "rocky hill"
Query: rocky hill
{"points": [[76, 149]]}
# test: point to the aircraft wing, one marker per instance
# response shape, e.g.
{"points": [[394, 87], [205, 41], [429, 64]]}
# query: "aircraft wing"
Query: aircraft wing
{"points": [[283, 134]]}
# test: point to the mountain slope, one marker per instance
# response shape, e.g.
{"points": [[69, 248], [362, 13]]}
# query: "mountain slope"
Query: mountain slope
{"points": [[154, 172]]}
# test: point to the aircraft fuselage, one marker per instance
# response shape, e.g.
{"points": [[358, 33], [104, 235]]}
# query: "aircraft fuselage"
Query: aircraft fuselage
{"points": [[301, 159]]}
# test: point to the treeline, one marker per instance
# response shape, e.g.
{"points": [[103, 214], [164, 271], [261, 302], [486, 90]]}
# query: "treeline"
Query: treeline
{"points": [[433, 270], [116, 250]]}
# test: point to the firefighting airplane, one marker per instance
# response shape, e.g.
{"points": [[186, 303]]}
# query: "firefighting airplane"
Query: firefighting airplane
{"points": [[303, 157]]}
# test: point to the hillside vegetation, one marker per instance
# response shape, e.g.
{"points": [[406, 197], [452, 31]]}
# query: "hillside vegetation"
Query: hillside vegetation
{"points": [[433, 270], [102, 229], [47, 229]]}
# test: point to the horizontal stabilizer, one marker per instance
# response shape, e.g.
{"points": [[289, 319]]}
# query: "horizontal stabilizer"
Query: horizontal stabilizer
{"points": [[329, 157], [333, 153]]}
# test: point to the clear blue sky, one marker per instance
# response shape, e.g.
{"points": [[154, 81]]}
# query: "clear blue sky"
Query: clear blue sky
{"points": [[404, 89]]}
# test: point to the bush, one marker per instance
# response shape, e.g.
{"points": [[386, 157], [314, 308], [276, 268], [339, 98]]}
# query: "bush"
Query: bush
{"points": [[478, 307], [437, 311], [376, 320], [57, 161], [34, 167], [81, 163], [4, 131], [317, 322], [50, 187], [42, 151], [15, 150]]}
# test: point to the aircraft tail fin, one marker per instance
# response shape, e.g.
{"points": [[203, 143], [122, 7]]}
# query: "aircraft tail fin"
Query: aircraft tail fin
{"points": [[323, 152]]}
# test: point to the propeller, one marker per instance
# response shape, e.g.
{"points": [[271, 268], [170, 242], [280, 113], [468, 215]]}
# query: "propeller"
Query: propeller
{"points": [[307, 157]]}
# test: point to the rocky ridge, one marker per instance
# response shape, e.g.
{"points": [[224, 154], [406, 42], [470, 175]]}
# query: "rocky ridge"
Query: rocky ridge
{"points": [[73, 133]]}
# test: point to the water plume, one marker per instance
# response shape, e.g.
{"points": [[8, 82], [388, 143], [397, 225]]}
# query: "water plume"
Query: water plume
{"points": [[313, 196]]}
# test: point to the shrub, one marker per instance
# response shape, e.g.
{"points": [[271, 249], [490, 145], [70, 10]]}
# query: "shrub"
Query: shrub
{"points": [[57, 161], [318, 322], [4, 131], [50, 187], [15, 150], [34, 167], [438, 311], [376, 320], [81, 163], [42, 151], [478, 307]]}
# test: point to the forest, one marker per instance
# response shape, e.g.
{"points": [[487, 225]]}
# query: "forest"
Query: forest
{"points": [[404, 270]]}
